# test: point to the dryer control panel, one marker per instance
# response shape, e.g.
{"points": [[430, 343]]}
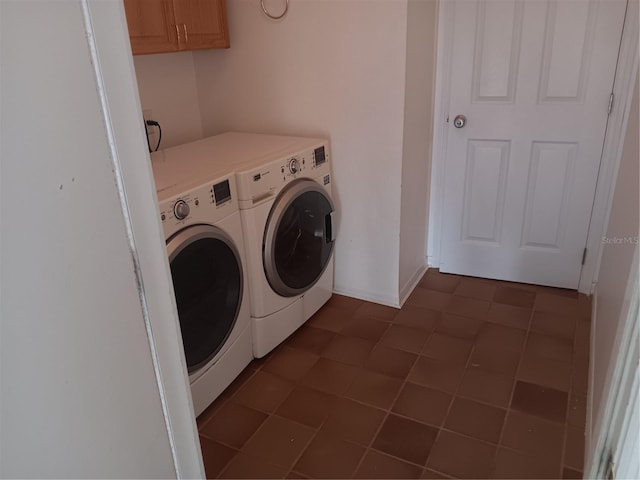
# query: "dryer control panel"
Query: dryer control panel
{"points": [[293, 166], [263, 182]]}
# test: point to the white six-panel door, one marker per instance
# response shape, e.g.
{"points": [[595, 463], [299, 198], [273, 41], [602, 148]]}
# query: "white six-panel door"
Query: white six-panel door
{"points": [[533, 79]]}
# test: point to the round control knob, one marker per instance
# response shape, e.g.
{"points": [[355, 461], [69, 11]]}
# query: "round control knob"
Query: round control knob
{"points": [[181, 209], [294, 166]]}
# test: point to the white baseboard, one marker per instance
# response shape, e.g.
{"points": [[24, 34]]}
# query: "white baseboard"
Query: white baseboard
{"points": [[408, 287], [368, 296], [589, 440], [388, 300]]}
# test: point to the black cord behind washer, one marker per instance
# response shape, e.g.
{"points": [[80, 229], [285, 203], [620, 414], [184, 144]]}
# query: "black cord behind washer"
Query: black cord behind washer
{"points": [[153, 123]]}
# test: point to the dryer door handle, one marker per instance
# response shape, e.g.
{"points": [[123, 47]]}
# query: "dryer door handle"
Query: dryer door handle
{"points": [[329, 227]]}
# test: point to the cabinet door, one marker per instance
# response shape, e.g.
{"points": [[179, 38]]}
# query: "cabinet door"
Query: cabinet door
{"points": [[202, 24], [151, 25]]}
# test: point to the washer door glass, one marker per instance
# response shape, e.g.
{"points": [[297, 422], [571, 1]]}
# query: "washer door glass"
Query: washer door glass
{"points": [[299, 238], [207, 280]]}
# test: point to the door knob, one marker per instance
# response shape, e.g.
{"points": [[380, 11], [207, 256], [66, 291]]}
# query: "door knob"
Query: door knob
{"points": [[460, 121]]}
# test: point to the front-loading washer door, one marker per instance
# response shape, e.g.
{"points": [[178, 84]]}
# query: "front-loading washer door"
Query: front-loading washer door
{"points": [[207, 280], [299, 238]]}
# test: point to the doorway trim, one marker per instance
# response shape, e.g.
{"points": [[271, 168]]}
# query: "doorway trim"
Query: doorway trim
{"points": [[605, 445], [612, 149], [110, 54]]}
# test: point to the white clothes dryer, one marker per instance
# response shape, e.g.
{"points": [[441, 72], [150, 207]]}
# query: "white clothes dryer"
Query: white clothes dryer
{"points": [[205, 245], [289, 224], [288, 218]]}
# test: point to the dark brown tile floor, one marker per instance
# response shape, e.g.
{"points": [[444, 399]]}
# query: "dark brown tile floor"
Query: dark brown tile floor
{"points": [[470, 379]]}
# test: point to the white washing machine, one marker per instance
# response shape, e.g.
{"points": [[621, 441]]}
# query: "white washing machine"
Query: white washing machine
{"points": [[288, 219], [205, 244]]}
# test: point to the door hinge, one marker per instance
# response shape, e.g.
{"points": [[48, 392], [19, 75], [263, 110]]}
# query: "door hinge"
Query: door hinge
{"points": [[584, 256], [610, 107]]}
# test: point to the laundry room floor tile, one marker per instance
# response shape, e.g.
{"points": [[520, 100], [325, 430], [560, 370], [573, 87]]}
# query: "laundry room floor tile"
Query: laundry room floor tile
{"points": [[330, 318], [423, 404], [418, 317], [378, 465], [310, 339], [406, 439], [264, 392], [390, 361], [459, 326], [462, 457], [247, 466], [330, 457], [307, 406], [510, 316], [350, 350], [279, 441], [374, 389], [368, 328], [476, 288], [215, 455], [514, 296], [290, 363], [423, 297], [471, 378], [233, 424], [476, 420], [440, 282], [353, 421], [405, 338], [382, 312], [511, 464]]}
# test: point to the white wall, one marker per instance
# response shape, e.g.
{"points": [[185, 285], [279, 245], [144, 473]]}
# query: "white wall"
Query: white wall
{"points": [[418, 118], [167, 87], [335, 68], [80, 394], [617, 257]]}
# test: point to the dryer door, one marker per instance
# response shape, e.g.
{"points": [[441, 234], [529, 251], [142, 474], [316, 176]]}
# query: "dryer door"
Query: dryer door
{"points": [[207, 280], [299, 238]]}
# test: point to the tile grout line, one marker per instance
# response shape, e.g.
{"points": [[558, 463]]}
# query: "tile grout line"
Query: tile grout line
{"points": [[342, 395], [569, 395], [324, 420], [387, 411], [406, 380], [515, 380], [455, 394]]}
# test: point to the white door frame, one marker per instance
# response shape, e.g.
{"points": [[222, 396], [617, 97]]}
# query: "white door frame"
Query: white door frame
{"points": [[616, 127], [613, 436], [110, 55]]}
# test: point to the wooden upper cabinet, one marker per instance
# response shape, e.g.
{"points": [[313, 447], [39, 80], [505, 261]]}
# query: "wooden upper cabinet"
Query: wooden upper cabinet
{"points": [[204, 23], [151, 26], [158, 26]]}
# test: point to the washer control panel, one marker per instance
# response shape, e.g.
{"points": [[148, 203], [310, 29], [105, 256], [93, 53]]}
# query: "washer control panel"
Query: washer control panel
{"points": [[207, 203], [181, 209], [294, 166]]}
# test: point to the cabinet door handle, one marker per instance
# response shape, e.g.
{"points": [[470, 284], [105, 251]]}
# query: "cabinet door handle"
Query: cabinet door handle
{"points": [[178, 32], [186, 35]]}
